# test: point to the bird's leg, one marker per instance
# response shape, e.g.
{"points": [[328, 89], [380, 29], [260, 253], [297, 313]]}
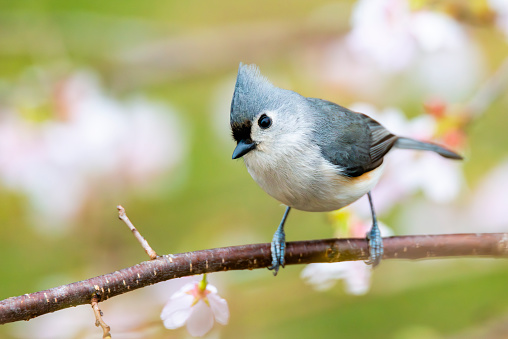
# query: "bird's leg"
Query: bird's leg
{"points": [[278, 246], [374, 238]]}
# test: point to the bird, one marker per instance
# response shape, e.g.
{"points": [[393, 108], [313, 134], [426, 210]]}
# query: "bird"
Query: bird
{"points": [[311, 154]]}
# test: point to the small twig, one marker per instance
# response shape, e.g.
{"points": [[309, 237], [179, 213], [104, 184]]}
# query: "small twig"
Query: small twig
{"points": [[98, 318], [148, 249]]}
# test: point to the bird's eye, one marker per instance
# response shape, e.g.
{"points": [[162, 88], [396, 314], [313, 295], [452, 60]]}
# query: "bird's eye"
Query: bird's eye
{"points": [[264, 121]]}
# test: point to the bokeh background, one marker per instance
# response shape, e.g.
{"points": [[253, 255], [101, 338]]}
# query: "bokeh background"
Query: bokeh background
{"points": [[127, 102]]}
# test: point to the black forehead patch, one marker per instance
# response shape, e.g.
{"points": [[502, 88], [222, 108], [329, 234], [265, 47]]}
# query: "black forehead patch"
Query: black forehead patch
{"points": [[241, 131]]}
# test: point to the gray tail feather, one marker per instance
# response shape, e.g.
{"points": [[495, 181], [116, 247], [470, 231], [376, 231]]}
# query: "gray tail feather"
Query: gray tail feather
{"points": [[407, 143]]}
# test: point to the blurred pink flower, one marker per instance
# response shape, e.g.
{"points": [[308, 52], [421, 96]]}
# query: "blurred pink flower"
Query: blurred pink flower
{"points": [[489, 203], [356, 274], [323, 276], [380, 33], [89, 139], [198, 305], [485, 210], [501, 9], [388, 39], [66, 324]]}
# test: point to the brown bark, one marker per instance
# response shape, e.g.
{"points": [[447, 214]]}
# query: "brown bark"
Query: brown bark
{"points": [[254, 256]]}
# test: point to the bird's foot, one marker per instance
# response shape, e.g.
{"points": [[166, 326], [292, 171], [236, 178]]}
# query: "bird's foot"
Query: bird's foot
{"points": [[278, 249], [375, 246]]}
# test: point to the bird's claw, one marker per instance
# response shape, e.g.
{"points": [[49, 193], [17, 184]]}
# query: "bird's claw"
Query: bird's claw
{"points": [[278, 248], [375, 246]]}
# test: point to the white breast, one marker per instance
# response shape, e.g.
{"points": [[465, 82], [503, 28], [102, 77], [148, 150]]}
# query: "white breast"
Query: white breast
{"points": [[301, 178]]}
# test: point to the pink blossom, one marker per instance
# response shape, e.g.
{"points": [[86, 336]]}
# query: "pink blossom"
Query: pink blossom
{"points": [[90, 138], [489, 203], [429, 51], [323, 276], [501, 9], [379, 28], [60, 325], [198, 305]]}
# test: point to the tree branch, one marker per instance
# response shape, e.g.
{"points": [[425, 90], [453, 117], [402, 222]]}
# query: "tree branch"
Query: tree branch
{"points": [[250, 257]]}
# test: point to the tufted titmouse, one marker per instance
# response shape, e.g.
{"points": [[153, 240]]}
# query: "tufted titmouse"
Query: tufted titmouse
{"points": [[309, 153]]}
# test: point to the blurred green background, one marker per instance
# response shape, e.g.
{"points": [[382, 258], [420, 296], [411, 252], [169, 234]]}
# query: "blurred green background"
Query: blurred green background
{"points": [[185, 55]]}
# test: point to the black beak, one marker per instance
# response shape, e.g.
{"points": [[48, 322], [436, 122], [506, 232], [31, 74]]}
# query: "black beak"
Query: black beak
{"points": [[243, 147]]}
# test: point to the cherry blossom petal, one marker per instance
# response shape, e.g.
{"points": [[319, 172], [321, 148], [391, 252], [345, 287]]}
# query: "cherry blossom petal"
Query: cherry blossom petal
{"points": [[323, 276], [211, 288], [380, 33], [219, 307], [357, 279], [177, 310], [501, 9], [440, 179], [488, 206], [200, 321], [434, 31]]}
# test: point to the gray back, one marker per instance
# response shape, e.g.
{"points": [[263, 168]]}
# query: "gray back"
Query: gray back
{"points": [[353, 141]]}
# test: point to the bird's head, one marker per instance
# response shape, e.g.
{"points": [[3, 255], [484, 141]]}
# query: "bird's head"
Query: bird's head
{"points": [[263, 117]]}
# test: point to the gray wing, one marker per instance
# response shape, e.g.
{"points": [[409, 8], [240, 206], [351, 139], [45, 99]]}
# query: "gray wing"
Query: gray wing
{"points": [[353, 141]]}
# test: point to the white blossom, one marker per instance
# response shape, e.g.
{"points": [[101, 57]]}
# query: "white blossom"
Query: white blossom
{"points": [[197, 307], [428, 51], [323, 276], [488, 207], [501, 9]]}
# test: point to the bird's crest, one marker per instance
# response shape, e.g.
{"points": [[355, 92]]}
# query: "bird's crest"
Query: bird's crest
{"points": [[252, 93]]}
